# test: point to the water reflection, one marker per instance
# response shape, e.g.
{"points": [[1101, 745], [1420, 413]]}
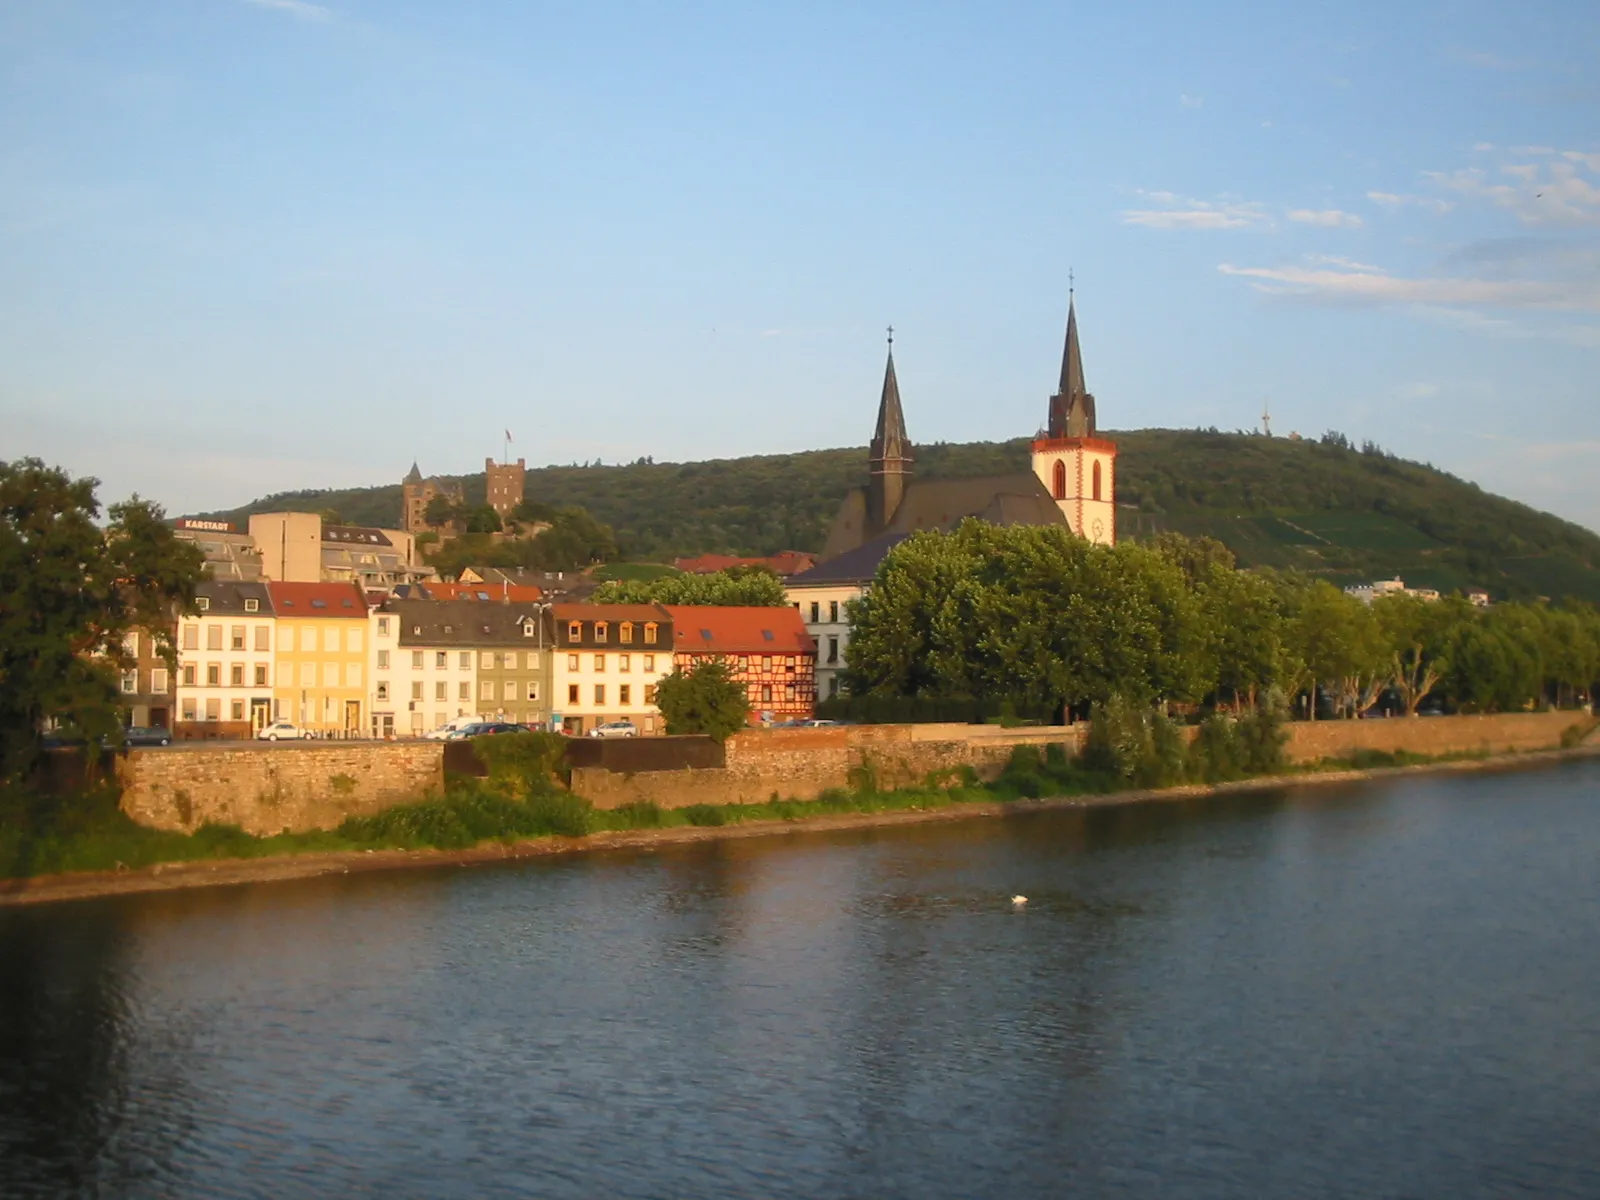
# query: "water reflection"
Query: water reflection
{"points": [[1371, 990]]}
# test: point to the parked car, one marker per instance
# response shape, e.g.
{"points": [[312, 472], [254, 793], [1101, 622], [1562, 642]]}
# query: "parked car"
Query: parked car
{"points": [[283, 731], [143, 735], [483, 728], [817, 723], [444, 732], [613, 729]]}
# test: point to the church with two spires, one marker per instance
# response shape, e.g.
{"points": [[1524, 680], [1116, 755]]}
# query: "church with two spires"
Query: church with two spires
{"points": [[1072, 481]]}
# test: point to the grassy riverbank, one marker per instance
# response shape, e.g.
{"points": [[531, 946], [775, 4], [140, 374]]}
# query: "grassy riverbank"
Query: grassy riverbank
{"points": [[89, 833]]}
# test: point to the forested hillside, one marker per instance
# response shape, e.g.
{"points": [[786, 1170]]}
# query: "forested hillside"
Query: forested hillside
{"points": [[1321, 506]]}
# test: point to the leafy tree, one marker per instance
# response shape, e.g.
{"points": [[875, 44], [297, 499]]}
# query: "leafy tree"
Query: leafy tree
{"points": [[483, 519], [754, 586], [706, 699], [442, 510], [574, 541], [70, 592]]}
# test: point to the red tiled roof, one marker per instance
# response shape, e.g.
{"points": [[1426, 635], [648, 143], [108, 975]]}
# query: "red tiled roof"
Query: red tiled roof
{"points": [[784, 563], [301, 600], [739, 630]]}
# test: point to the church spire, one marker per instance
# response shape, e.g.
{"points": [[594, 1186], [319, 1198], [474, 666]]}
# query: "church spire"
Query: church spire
{"points": [[890, 441], [890, 454], [1072, 407]]}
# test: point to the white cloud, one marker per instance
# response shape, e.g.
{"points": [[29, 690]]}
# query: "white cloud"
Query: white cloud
{"points": [[1361, 284], [296, 8], [1188, 101], [1327, 218], [1557, 188], [1180, 212], [1396, 200], [1417, 391]]}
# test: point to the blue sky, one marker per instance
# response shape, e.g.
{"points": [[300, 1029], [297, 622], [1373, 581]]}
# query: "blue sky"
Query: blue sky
{"points": [[253, 245]]}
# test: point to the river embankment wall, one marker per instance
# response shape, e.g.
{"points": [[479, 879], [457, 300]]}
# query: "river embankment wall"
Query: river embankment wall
{"points": [[270, 789]]}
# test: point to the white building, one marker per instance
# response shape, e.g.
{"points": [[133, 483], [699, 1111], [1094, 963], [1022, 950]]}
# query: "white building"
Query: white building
{"points": [[225, 661], [608, 660], [823, 595]]}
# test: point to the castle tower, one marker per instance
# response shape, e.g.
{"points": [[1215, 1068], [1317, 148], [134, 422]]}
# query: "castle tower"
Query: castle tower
{"points": [[504, 485], [891, 456], [1078, 467], [415, 501]]}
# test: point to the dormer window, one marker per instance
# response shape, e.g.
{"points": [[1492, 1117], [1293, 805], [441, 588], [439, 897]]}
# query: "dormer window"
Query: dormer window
{"points": [[650, 633], [203, 603], [252, 605], [625, 633], [416, 630], [575, 631], [527, 630], [600, 631]]}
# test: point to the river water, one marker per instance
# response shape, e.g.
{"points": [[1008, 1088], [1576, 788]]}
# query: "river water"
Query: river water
{"points": [[1387, 989]]}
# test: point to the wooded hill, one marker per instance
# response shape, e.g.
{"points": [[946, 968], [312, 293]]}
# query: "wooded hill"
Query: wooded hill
{"points": [[1324, 506]]}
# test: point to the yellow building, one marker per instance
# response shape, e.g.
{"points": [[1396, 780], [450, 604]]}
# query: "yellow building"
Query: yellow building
{"points": [[321, 660]]}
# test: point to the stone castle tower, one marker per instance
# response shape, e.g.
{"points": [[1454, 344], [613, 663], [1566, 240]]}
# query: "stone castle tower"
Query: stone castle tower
{"points": [[890, 456], [504, 484], [1078, 467], [417, 492]]}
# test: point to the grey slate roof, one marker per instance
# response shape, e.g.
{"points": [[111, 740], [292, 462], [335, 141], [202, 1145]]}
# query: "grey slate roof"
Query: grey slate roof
{"points": [[853, 566], [463, 623], [228, 596]]}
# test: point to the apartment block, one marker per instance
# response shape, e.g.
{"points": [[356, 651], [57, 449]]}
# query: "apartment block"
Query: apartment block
{"points": [[321, 660], [226, 667], [608, 660]]}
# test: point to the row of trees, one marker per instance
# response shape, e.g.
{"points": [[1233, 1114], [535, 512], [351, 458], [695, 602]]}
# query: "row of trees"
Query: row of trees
{"points": [[571, 541], [1045, 619], [754, 585]]}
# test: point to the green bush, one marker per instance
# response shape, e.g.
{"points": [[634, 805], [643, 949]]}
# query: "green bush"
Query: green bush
{"points": [[523, 763], [638, 814], [1135, 744], [705, 814]]}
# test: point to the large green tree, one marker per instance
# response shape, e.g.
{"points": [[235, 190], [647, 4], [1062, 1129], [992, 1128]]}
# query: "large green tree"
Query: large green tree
{"points": [[70, 592], [704, 699]]}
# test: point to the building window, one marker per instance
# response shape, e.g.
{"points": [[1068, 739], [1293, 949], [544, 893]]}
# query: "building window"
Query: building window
{"points": [[383, 690], [236, 710], [833, 649], [236, 675], [158, 681], [833, 612], [308, 638], [649, 693], [528, 629], [1058, 480], [308, 674], [441, 660], [599, 693], [1097, 480], [263, 637], [485, 661], [236, 638], [572, 662], [510, 690], [383, 626], [213, 710], [188, 675], [533, 692], [251, 604], [599, 662], [352, 675], [213, 675], [383, 660], [354, 640], [466, 660], [416, 689], [203, 603], [330, 638], [833, 687], [261, 674], [650, 633], [486, 690], [213, 637], [572, 694], [766, 693], [191, 637], [625, 694], [816, 612], [624, 662], [130, 644], [649, 662], [441, 691], [464, 690], [188, 710], [416, 660], [600, 629], [788, 691], [625, 633], [575, 631], [130, 682]]}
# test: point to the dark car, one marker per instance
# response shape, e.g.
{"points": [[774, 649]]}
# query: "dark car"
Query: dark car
{"points": [[483, 728], [141, 735]]}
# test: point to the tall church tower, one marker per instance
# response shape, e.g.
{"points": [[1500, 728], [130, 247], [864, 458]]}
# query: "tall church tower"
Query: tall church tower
{"points": [[891, 455], [1078, 467]]}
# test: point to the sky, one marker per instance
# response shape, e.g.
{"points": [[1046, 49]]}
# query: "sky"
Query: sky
{"points": [[248, 246]]}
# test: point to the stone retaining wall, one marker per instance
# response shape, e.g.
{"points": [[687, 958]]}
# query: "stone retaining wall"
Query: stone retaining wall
{"points": [[270, 789]]}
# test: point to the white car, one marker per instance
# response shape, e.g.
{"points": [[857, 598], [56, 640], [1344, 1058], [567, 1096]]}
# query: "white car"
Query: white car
{"points": [[282, 731], [613, 729], [449, 729]]}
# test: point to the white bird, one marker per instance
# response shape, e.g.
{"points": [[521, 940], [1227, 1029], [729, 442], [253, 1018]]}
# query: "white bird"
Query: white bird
{"points": [[1018, 901]]}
